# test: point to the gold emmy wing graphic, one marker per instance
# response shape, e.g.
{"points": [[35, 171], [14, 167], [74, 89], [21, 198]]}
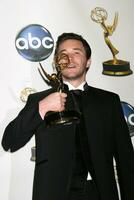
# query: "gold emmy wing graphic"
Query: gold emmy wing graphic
{"points": [[113, 67]]}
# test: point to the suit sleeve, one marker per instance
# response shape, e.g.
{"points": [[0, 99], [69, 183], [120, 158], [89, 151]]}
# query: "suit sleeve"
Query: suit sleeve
{"points": [[21, 129], [124, 154]]}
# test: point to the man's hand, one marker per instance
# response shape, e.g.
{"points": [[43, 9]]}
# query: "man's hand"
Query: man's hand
{"points": [[53, 102]]}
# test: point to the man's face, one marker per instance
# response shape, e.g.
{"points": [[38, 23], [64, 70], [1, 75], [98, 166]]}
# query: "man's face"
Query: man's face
{"points": [[78, 61]]}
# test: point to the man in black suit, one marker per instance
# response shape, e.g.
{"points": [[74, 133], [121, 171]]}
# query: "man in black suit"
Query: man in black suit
{"points": [[65, 154]]}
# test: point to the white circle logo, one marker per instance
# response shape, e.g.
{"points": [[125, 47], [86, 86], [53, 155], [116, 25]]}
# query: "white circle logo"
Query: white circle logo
{"points": [[34, 43]]}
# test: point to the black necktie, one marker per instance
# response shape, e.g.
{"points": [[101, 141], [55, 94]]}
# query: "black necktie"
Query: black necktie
{"points": [[82, 152], [77, 92], [76, 95]]}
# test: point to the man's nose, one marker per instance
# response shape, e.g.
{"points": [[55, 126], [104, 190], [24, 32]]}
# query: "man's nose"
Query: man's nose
{"points": [[70, 56]]}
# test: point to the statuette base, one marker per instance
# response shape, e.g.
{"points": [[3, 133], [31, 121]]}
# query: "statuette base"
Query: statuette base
{"points": [[65, 118], [116, 68]]}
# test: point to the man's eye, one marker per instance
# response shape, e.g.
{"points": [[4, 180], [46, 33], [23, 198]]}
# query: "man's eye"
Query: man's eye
{"points": [[77, 52]]}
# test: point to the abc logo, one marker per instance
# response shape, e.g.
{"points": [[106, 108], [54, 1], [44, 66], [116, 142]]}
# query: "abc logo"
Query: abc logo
{"points": [[34, 43], [129, 116]]}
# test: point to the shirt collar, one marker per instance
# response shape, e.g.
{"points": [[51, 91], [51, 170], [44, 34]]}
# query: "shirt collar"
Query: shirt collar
{"points": [[71, 87]]}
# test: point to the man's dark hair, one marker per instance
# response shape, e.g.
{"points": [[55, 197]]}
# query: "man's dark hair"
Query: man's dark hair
{"points": [[74, 36]]}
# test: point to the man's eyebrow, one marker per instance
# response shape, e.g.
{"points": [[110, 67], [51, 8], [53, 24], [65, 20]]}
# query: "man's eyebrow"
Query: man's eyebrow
{"points": [[62, 50], [77, 49]]}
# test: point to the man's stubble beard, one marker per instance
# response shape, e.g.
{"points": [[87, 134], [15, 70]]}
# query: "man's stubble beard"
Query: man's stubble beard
{"points": [[75, 77]]}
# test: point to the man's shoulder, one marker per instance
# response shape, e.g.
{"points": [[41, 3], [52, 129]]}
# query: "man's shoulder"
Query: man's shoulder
{"points": [[104, 99], [102, 93]]}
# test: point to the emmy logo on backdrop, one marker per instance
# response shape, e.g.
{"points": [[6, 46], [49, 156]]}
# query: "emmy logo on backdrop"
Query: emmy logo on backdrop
{"points": [[113, 67]]}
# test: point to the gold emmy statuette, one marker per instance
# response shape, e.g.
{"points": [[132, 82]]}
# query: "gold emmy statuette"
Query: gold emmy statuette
{"points": [[114, 67], [55, 80]]}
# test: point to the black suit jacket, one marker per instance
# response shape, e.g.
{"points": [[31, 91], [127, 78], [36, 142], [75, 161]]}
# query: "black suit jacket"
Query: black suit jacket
{"points": [[108, 137]]}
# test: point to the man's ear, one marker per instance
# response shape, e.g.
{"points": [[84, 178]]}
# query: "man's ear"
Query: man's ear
{"points": [[88, 63]]}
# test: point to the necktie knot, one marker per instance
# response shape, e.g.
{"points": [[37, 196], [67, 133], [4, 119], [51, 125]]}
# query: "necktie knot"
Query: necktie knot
{"points": [[77, 91]]}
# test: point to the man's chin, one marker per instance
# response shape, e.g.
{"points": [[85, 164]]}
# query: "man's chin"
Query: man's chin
{"points": [[70, 78]]}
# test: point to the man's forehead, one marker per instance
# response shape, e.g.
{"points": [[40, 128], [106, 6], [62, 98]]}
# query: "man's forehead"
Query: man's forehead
{"points": [[71, 44]]}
